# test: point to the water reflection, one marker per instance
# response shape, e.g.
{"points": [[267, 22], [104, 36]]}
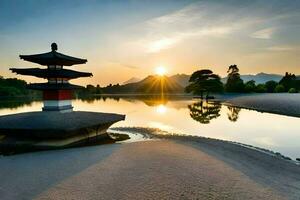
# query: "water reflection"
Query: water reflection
{"points": [[15, 103], [233, 113], [92, 99], [184, 115], [204, 112], [161, 109], [149, 100]]}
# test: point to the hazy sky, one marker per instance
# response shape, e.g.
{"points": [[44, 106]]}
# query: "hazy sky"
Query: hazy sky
{"points": [[124, 39]]}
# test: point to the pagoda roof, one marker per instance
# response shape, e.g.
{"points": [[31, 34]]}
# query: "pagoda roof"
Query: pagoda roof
{"points": [[53, 58], [50, 73], [51, 86]]}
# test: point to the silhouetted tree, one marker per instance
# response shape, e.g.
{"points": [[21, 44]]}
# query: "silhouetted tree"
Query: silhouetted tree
{"points": [[204, 112], [204, 81], [98, 89], [289, 81], [270, 86], [234, 82], [250, 86]]}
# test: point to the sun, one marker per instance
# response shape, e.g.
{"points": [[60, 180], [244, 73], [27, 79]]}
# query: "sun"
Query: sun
{"points": [[161, 70]]}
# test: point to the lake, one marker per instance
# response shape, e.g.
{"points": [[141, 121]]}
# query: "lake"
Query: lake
{"points": [[184, 115]]}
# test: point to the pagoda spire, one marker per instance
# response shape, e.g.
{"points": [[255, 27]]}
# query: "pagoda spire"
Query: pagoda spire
{"points": [[54, 46]]}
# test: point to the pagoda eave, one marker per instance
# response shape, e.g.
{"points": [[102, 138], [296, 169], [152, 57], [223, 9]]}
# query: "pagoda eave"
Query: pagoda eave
{"points": [[47, 86], [53, 73], [53, 58]]}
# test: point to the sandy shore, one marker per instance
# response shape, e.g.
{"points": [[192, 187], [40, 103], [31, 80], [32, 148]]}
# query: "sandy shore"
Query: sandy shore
{"points": [[171, 168], [284, 103]]}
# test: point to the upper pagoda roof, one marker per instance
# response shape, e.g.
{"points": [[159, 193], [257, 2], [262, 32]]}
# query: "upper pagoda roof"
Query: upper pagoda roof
{"points": [[51, 73], [53, 58], [58, 86]]}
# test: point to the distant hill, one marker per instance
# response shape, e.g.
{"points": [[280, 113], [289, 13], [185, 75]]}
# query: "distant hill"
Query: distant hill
{"points": [[132, 80], [182, 79], [258, 78], [152, 84]]}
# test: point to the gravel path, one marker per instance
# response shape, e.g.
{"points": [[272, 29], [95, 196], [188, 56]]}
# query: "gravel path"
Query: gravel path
{"points": [[176, 167], [159, 170]]}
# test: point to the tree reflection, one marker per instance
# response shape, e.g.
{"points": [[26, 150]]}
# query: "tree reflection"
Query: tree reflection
{"points": [[203, 112], [15, 103], [233, 113], [91, 99]]}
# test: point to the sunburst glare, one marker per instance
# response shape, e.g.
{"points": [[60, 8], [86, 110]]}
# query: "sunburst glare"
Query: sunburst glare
{"points": [[160, 70]]}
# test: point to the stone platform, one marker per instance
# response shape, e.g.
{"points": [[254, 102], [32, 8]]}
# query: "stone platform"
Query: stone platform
{"points": [[54, 124]]}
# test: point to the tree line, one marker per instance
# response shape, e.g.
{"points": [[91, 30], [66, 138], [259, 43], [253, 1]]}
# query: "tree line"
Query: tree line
{"points": [[11, 87], [203, 82]]}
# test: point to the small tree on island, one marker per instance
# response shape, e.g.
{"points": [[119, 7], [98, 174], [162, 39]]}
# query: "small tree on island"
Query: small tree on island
{"points": [[234, 82], [204, 81]]}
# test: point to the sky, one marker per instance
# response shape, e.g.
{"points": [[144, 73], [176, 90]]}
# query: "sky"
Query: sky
{"points": [[131, 38]]}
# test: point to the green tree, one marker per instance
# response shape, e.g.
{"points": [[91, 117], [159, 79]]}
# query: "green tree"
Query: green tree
{"points": [[203, 81], [13, 87], [289, 81], [250, 86], [234, 82], [270, 86], [279, 88], [261, 88], [292, 90]]}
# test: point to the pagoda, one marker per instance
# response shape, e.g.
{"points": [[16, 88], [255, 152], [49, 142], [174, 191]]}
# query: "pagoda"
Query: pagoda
{"points": [[57, 125], [57, 92]]}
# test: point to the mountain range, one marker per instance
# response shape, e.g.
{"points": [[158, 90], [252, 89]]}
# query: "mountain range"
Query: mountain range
{"points": [[258, 78], [154, 84], [183, 79], [132, 80]]}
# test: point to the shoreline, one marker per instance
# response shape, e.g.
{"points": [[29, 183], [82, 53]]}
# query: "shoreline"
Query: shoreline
{"points": [[153, 133], [172, 167], [282, 104], [261, 165]]}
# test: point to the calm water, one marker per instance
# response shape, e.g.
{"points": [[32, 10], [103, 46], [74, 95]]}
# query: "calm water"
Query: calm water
{"points": [[191, 117]]}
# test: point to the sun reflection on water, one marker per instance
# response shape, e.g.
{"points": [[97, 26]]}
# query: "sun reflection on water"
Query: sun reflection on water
{"points": [[161, 109]]}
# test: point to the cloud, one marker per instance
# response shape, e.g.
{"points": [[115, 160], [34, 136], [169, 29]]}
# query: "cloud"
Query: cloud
{"points": [[207, 20], [122, 65], [194, 21], [154, 46], [264, 33], [281, 48], [212, 24]]}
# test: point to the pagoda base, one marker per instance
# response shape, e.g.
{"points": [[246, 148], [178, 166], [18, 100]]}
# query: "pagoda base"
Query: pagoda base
{"points": [[53, 130], [15, 145], [55, 124], [61, 105]]}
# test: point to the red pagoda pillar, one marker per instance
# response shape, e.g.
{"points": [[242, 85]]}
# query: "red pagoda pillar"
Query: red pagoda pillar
{"points": [[57, 92]]}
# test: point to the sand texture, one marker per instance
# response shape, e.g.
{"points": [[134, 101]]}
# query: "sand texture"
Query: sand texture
{"points": [[160, 169]]}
